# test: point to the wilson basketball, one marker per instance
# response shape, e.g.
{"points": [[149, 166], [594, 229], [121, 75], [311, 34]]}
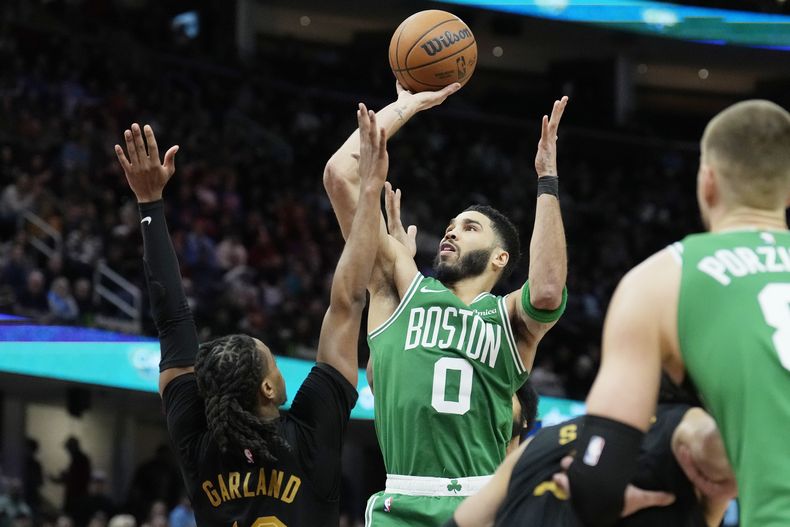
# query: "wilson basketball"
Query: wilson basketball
{"points": [[432, 49]]}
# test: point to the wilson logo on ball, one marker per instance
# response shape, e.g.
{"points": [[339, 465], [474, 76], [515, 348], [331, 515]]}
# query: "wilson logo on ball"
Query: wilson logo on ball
{"points": [[435, 45]]}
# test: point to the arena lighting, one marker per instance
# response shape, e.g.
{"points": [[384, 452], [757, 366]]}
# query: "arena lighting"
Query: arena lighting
{"points": [[697, 24], [118, 360]]}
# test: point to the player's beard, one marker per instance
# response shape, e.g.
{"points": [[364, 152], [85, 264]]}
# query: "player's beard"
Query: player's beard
{"points": [[472, 263]]}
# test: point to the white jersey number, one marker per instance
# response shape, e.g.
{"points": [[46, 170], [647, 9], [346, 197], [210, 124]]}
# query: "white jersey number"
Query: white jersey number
{"points": [[439, 398], [775, 302]]}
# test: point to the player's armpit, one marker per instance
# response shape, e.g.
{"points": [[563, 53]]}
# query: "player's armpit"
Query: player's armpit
{"points": [[171, 373], [395, 268]]}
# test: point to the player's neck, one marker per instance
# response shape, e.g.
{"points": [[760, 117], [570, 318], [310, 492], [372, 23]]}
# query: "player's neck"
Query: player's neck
{"points": [[268, 412], [470, 288], [749, 218]]}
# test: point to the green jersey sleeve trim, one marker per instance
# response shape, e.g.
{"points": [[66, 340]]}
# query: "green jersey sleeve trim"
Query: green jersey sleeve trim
{"points": [[510, 337], [404, 301], [676, 250], [543, 316]]}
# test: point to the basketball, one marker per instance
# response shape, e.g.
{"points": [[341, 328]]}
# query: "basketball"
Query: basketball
{"points": [[432, 49]]}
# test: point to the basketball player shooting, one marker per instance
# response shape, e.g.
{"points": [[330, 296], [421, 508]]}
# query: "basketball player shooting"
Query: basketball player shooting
{"points": [[243, 462], [446, 354]]}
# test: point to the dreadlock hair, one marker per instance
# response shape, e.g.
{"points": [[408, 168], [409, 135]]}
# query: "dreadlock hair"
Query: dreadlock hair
{"points": [[229, 372], [528, 397], [506, 232]]}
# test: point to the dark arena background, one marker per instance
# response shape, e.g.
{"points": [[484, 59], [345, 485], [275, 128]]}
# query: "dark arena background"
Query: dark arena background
{"points": [[259, 94]]}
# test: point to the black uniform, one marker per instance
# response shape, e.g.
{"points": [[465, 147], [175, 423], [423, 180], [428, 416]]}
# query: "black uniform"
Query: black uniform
{"points": [[533, 499], [300, 488]]}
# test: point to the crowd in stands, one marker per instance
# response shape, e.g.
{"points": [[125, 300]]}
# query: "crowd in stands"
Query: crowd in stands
{"points": [[253, 229], [249, 218], [154, 497]]}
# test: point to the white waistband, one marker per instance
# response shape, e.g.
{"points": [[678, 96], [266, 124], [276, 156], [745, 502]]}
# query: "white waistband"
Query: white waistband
{"points": [[427, 486]]}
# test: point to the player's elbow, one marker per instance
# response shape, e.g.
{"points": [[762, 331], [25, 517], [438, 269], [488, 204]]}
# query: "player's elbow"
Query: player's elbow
{"points": [[333, 179], [605, 463], [348, 300], [547, 297]]}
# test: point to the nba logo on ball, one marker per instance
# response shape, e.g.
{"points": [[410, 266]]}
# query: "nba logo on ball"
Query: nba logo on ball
{"points": [[432, 49], [388, 504], [460, 63]]}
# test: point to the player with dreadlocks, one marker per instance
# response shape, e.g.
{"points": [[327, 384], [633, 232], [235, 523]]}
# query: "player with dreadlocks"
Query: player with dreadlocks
{"points": [[243, 463]]}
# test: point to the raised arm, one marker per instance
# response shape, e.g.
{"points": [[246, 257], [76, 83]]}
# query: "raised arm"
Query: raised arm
{"points": [[393, 269], [340, 331], [624, 394], [147, 177], [341, 175], [535, 307]]}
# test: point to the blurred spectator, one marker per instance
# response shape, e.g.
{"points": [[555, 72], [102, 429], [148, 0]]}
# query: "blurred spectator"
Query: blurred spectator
{"points": [[122, 520], [32, 300], [546, 381], [16, 199], [62, 305], [83, 296], [64, 520], [99, 519], [83, 248], [183, 515], [22, 519], [97, 504], [75, 478], [157, 515], [34, 475], [16, 269], [155, 479], [12, 504]]}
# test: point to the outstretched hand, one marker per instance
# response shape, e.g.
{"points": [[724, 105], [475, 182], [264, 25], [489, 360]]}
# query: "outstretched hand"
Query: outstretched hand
{"points": [[546, 158], [426, 99], [635, 499], [373, 158], [145, 173], [408, 238]]}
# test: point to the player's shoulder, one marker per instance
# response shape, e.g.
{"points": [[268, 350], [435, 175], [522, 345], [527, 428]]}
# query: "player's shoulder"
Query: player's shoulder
{"points": [[323, 377], [657, 275]]}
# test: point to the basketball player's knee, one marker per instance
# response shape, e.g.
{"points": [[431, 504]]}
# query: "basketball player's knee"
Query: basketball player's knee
{"points": [[607, 460]]}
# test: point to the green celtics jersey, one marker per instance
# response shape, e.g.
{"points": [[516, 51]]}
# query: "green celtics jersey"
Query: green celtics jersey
{"points": [[734, 331], [444, 376]]}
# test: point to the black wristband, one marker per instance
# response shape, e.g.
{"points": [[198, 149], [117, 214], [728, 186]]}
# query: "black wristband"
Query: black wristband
{"points": [[608, 453], [549, 185], [450, 523]]}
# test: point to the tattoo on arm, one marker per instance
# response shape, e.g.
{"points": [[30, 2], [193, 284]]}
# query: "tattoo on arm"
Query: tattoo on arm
{"points": [[399, 111]]}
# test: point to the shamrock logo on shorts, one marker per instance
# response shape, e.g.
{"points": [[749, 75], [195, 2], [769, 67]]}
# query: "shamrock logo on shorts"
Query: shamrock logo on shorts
{"points": [[454, 486]]}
